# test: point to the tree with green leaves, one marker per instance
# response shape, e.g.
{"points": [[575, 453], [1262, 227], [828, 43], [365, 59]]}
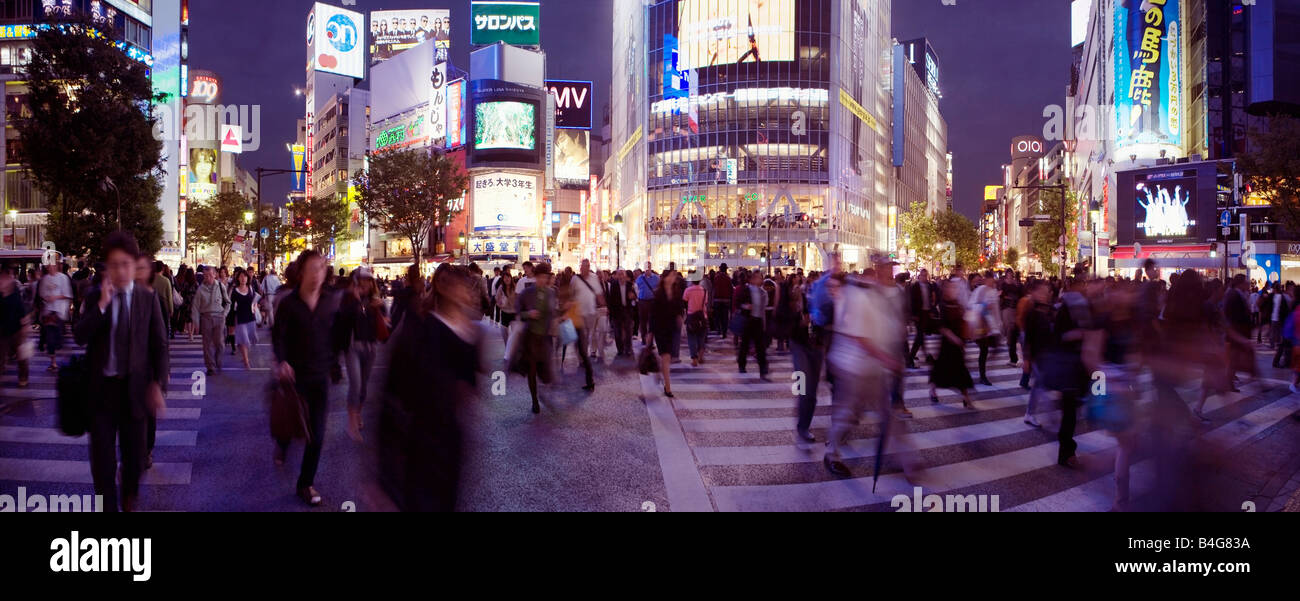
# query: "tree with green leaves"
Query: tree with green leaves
{"points": [[951, 226], [91, 147], [410, 192], [918, 232], [216, 221], [281, 237], [1011, 258], [327, 221], [1272, 167], [1045, 236]]}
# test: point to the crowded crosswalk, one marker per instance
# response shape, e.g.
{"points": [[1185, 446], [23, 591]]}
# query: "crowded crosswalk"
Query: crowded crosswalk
{"points": [[36, 455], [726, 442]]}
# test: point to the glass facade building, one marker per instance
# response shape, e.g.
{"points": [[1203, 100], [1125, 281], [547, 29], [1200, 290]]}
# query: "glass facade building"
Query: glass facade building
{"points": [[738, 122]]}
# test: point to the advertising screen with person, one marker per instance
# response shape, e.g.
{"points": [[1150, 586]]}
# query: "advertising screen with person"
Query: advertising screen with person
{"points": [[1166, 209], [722, 32]]}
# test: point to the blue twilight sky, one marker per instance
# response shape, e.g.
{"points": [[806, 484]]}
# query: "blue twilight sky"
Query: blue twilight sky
{"points": [[1001, 63]]}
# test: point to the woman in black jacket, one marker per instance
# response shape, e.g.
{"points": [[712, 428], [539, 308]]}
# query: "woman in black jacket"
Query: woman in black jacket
{"points": [[666, 312]]}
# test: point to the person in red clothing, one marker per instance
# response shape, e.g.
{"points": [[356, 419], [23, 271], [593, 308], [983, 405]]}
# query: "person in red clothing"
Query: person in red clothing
{"points": [[697, 318]]}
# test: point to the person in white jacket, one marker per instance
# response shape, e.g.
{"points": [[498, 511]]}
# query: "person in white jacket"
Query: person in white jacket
{"points": [[983, 317]]}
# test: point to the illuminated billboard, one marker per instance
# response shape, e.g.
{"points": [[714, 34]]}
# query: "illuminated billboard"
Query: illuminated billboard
{"points": [[338, 41], [573, 157], [505, 124], [204, 175], [505, 202], [456, 102], [722, 32], [1148, 74], [411, 131], [1165, 209], [515, 23], [1167, 205], [300, 175], [572, 103], [392, 31]]}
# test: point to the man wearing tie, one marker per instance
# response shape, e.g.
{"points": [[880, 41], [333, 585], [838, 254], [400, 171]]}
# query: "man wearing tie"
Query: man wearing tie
{"points": [[125, 337], [621, 300]]}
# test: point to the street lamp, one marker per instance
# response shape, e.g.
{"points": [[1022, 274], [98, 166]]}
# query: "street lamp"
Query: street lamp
{"points": [[618, 240], [248, 216], [460, 241]]}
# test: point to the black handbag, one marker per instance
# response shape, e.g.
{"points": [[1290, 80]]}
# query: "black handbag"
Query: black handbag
{"points": [[648, 362], [74, 396], [696, 323]]}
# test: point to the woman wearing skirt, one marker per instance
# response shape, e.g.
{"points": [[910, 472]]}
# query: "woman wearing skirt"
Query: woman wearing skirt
{"points": [[242, 299], [949, 370]]}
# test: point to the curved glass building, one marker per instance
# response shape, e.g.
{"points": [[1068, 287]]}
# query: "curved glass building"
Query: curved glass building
{"points": [[747, 129]]}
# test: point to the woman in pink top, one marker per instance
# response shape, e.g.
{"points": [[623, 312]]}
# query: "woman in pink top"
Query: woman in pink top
{"points": [[697, 318]]}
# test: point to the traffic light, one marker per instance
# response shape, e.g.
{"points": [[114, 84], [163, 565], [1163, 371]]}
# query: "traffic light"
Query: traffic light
{"points": [[308, 223]]}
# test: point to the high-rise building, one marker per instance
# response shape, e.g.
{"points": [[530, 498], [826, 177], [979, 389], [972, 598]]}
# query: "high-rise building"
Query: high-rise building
{"points": [[920, 147], [152, 32], [728, 117]]}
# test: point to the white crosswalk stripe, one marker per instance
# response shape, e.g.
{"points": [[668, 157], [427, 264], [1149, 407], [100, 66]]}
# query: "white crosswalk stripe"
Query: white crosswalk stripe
{"points": [[35, 454], [727, 443]]}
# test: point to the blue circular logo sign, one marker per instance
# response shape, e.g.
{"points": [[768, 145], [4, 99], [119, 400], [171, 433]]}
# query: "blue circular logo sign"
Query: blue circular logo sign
{"points": [[342, 33]]}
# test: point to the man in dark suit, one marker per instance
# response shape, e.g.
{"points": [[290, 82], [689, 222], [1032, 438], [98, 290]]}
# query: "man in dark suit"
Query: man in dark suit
{"points": [[125, 337], [620, 298], [924, 298]]}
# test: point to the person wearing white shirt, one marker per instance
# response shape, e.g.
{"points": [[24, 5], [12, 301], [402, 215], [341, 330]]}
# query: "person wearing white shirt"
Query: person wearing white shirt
{"points": [[55, 290], [863, 356], [585, 288]]}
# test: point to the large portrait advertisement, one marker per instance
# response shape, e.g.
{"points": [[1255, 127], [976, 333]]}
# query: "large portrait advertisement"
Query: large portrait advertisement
{"points": [[204, 173], [392, 31], [573, 157], [722, 32], [1165, 207]]}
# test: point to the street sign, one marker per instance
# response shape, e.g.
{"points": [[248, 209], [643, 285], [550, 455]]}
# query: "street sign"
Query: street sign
{"points": [[1225, 219], [1043, 218], [266, 233]]}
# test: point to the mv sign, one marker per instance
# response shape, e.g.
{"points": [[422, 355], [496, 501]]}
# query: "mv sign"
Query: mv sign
{"points": [[572, 103]]}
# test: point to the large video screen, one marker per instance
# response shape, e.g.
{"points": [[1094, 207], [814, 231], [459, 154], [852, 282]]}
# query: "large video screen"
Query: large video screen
{"points": [[1165, 209], [505, 125], [722, 32]]}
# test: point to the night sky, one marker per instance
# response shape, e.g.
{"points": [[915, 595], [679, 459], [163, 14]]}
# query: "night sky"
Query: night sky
{"points": [[1001, 62]]}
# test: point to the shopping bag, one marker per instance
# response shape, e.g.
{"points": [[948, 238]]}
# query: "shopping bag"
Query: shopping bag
{"points": [[567, 333], [74, 396], [288, 413], [514, 335]]}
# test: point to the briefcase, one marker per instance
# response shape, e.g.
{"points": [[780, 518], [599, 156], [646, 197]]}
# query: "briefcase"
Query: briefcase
{"points": [[74, 396], [288, 413]]}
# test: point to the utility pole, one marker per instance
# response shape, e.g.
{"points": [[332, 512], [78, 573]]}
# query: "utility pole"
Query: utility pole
{"points": [[261, 258]]}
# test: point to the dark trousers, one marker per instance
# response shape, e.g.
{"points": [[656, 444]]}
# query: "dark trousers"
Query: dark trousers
{"points": [[584, 355], [622, 328], [986, 343], [922, 327], [113, 426], [1013, 338], [721, 317], [316, 395], [809, 360], [643, 318], [753, 335], [1069, 417], [1283, 356]]}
